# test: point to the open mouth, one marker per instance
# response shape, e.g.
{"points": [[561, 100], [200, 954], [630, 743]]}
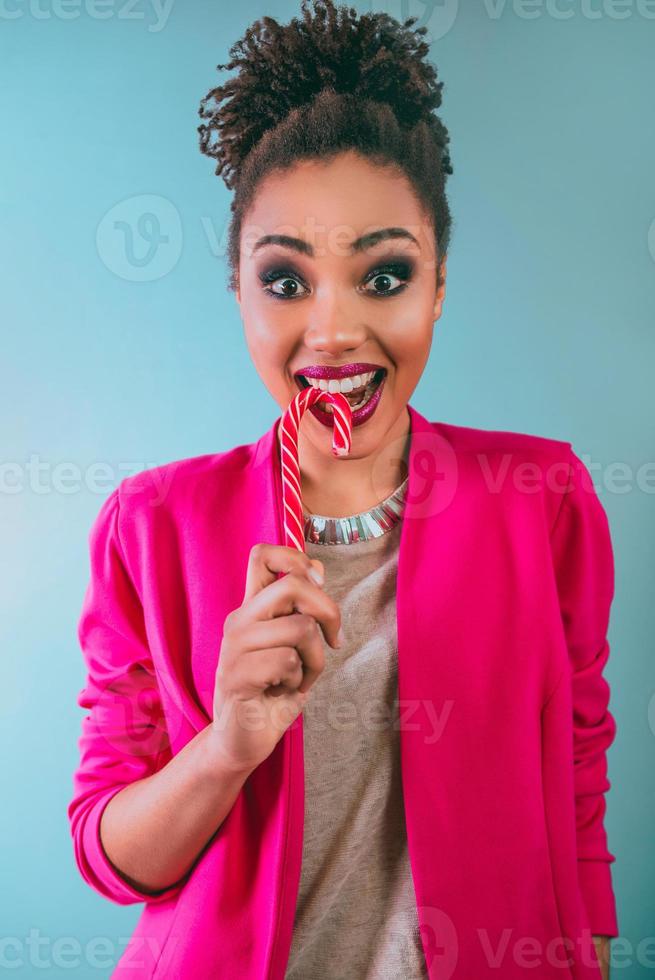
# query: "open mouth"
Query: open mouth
{"points": [[358, 397]]}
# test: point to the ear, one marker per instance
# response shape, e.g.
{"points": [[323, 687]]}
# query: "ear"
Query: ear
{"points": [[441, 292]]}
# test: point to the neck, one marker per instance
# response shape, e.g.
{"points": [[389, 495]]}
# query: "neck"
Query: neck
{"points": [[339, 487]]}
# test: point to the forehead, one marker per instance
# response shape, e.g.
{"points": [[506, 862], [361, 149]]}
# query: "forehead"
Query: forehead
{"points": [[332, 204]]}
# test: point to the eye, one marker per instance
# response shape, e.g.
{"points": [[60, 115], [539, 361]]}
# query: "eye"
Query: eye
{"points": [[285, 277], [384, 274]]}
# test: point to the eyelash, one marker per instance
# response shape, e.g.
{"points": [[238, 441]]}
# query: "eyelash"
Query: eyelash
{"points": [[401, 270]]}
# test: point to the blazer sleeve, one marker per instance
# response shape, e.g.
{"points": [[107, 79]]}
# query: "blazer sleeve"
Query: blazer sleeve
{"points": [[584, 564], [124, 735]]}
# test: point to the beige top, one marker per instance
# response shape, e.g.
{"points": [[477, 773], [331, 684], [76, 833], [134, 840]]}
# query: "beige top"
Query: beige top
{"points": [[356, 911]]}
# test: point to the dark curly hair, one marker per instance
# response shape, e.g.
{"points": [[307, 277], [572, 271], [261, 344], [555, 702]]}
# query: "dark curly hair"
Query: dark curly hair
{"points": [[321, 85]]}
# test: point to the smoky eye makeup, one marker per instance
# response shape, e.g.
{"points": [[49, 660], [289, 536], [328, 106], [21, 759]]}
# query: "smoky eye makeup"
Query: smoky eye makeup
{"points": [[401, 267], [278, 271]]}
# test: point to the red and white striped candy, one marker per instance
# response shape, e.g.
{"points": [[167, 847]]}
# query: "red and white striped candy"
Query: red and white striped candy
{"points": [[294, 536]]}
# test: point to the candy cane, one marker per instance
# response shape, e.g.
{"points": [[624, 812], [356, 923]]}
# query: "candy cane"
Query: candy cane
{"points": [[294, 535]]}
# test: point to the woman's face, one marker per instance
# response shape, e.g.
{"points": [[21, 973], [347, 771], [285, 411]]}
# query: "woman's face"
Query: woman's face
{"points": [[314, 300]]}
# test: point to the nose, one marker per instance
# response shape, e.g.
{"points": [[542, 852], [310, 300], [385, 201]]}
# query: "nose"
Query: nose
{"points": [[335, 335]]}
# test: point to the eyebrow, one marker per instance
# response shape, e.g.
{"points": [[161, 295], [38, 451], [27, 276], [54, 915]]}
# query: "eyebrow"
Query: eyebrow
{"points": [[359, 245]]}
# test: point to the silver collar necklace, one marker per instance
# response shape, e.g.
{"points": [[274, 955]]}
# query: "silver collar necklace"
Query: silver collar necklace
{"points": [[358, 527]]}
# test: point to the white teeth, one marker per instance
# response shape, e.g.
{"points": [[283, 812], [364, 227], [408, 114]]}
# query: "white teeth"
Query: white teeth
{"points": [[364, 395], [344, 385]]}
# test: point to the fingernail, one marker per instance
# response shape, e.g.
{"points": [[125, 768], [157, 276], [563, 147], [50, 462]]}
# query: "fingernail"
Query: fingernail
{"points": [[340, 637], [316, 576]]}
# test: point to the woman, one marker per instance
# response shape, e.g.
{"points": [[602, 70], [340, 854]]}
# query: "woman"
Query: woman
{"points": [[457, 581]]}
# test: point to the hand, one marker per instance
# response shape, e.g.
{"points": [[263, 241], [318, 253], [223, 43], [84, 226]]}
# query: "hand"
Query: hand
{"points": [[271, 655]]}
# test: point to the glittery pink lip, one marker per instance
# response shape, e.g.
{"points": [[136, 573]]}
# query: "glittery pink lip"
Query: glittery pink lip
{"points": [[358, 417], [326, 372]]}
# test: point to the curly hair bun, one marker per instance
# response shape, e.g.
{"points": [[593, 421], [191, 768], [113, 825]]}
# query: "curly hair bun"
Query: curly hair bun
{"points": [[284, 67]]}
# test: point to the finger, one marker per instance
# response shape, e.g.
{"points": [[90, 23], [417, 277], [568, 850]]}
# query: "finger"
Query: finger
{"points": [[295, 632], [267, 561], [276, 667], [295, 593]]}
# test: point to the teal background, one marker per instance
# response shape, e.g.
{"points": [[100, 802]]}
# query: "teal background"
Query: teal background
{"points": [[547, 328]]}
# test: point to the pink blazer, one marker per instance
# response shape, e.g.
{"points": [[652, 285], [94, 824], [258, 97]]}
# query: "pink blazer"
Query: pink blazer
{"points": [[504, 587]]}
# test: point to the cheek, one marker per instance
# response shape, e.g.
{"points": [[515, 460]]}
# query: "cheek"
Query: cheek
{"points": [[270, 353], [410, 340]]}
